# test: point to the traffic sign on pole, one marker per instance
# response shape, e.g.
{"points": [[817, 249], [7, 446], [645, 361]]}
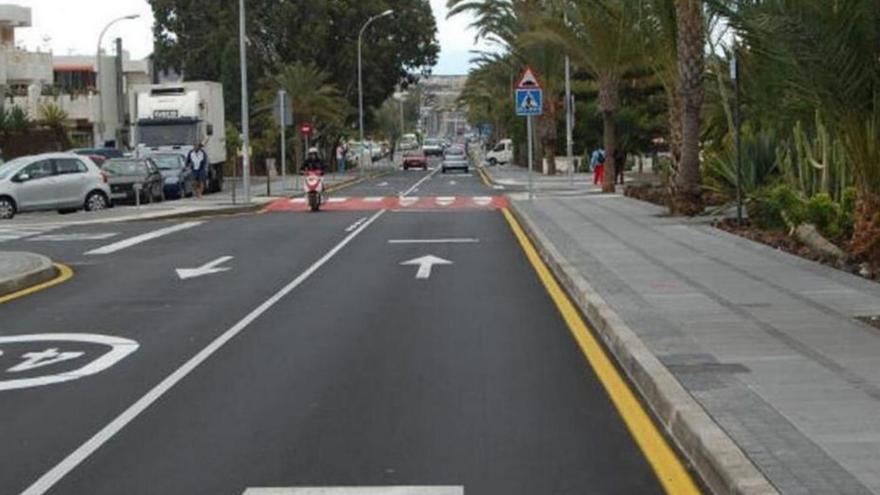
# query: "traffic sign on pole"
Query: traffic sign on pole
{"points": [[529, 94], [306, 128]]}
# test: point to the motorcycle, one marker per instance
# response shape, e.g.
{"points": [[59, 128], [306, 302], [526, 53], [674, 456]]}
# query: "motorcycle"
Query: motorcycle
{"points": [[314, 188]]}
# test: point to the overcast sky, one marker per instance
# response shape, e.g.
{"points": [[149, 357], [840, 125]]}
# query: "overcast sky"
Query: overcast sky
{"points": [[66, 26]]}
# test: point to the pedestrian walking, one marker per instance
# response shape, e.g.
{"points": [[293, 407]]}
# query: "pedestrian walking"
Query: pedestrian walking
{"points": [[619, 165], [597, 163], [197, 161], [340, 157]]}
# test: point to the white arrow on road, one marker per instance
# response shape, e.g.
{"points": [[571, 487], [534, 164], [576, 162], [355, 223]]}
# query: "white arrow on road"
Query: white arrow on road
{"points": [[425, 264], [206, 269]]}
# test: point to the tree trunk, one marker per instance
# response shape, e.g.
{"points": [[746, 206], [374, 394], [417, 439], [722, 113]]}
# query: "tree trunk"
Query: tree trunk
{"points": [[688, 194], [609, 102], [866, 240], [609, 136]]}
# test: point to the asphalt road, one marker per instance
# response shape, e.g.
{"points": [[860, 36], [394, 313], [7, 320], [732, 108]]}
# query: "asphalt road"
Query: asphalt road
{"points": [[316, 359]]}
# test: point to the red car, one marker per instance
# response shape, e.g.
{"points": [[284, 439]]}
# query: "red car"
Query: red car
{"points": [[415, 159]]}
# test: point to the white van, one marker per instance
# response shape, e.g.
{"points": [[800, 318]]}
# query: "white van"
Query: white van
{"points": [[501, 153]]}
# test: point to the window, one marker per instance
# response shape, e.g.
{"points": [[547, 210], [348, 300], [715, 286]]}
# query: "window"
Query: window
{"points": [[39, 170], [70, 166], [499, 147]]}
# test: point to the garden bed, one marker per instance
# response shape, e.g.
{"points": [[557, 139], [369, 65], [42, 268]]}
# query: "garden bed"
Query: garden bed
{"points": [[783, 242]]}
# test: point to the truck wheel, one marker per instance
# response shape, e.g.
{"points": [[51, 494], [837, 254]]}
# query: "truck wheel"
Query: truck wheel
{"points": [[493, 162]]}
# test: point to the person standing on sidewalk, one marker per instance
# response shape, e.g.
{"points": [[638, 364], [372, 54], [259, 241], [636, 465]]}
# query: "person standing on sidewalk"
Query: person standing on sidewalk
{"points": [[197, 161], [619, 165], [340, 157], [597, 163]]}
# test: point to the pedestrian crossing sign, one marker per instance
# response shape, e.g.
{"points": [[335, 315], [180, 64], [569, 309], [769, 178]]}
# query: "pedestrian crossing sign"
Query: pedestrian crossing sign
{"points": [[529, 102]]}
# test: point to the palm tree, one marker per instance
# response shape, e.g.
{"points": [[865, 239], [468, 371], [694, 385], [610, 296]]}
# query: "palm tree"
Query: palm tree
{"points": [[687, 198], [55, 118], [313, 98], [508, 24], [599, 37]]}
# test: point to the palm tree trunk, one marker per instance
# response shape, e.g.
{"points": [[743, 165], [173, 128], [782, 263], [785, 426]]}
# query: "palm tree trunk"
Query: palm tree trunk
{"points": [[609, 102], [688, 194], [866, 239]]}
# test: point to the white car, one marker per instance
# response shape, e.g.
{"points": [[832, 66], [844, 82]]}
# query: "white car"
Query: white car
{"points": [[53, 181]]}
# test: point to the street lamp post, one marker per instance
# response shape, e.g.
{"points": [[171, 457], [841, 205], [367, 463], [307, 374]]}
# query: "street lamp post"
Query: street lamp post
{"points": [[361, 86], [568, 115], [99, 122], [245, 124]]}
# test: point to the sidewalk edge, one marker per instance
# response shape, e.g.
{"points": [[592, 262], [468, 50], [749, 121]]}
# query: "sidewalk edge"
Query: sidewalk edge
{"points": [[715, 457], [40, 275]]}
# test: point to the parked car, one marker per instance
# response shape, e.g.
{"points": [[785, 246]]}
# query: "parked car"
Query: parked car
{"points": [[53, 181], [408, 142], [125, 173], [501, 153], [179, 179], [455, 158], [415, 159], [107, 153], [433, 147]]}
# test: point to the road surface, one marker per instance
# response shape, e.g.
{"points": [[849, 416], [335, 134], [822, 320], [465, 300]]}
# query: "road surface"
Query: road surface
{"points": [[301, 349]]}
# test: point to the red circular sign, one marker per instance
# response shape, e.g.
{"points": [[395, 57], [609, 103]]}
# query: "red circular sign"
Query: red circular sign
{"points": [[306, 128]]}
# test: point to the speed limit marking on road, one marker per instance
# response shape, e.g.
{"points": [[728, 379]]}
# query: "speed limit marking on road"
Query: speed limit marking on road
{"points": [[48, 358]]}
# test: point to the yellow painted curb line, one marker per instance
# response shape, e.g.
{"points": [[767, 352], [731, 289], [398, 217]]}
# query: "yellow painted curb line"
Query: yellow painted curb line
{"points": [[65, 273], [671, 472], [485, 177]]}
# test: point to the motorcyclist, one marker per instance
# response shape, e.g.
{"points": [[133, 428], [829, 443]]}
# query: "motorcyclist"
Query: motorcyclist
{"points": [[314, 162]]}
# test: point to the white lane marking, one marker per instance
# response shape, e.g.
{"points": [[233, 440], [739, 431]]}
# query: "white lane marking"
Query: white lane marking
{"points": [[72, 237], [420, 182], [483, 200], [69, 463], [336, 200], [374, 199], [298, 200], [383, 184], [119, 348], [445, 200], [498, 188], [425, 264], [133, 241], [434, 241], [408, 201], [359, 490], [452, 183], [23, 232], [209, 268], [356, 224]]}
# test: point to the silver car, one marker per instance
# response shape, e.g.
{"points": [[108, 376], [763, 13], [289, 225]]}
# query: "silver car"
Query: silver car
{"points": [[53, 181]]}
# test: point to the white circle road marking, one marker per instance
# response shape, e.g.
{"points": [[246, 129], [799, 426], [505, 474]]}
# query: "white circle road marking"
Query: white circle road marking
{"points": [[119, 349]]}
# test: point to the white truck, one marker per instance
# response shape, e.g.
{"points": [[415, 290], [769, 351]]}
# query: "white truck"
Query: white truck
{"points": [[174, 117], [501, 153]]}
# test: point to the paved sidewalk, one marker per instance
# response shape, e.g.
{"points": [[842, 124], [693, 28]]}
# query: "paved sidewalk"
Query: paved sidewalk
{"points": [[19, 271], [767, 343], [515, 178]]}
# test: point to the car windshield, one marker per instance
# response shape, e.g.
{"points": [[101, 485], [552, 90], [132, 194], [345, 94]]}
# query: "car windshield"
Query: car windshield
{"points": [[9, 167], [126, 167], [455, 152], [168, 162], [432, 142]]}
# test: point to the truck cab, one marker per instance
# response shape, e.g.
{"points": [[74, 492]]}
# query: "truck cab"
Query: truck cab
{"points": [[173, 118]]}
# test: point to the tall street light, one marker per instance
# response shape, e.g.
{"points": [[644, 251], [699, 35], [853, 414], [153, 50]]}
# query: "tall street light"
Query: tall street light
{"points": [[361, 86], [569, 121], [99, 122], [245, 124]]}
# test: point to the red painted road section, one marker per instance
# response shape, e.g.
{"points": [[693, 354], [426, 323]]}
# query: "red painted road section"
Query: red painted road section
{"points": [[340, 203]]}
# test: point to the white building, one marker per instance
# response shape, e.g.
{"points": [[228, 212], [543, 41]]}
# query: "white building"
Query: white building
{"points": [[30, 80]]}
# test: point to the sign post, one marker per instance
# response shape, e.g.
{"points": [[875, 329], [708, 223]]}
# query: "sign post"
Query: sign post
{"points": [[282, 113], [529, 103]]}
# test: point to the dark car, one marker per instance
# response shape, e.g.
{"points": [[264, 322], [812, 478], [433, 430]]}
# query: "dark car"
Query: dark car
{"points": [[107, 153], [179, 179], [415, 159], [455, 158], [125, 173]]}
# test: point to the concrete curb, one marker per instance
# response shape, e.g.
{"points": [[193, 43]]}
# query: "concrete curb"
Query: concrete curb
{"points": [[720, 463], [37, 269]]}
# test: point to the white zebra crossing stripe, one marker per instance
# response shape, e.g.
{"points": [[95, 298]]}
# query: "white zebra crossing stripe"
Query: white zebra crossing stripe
{"points": [[445, 200], [374, 199], [337, 200], [16, 233], [408, 201], [483, 200], [298, 200]]}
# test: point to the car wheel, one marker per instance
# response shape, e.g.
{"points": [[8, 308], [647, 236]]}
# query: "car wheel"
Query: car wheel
{"points": [[493, 162], [7, 209], [96, 201], [442, 170]]}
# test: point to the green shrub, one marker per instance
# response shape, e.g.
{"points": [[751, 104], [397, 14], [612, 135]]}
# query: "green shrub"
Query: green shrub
{"points": [[825, 214], [769, 207], [848, 211]]}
